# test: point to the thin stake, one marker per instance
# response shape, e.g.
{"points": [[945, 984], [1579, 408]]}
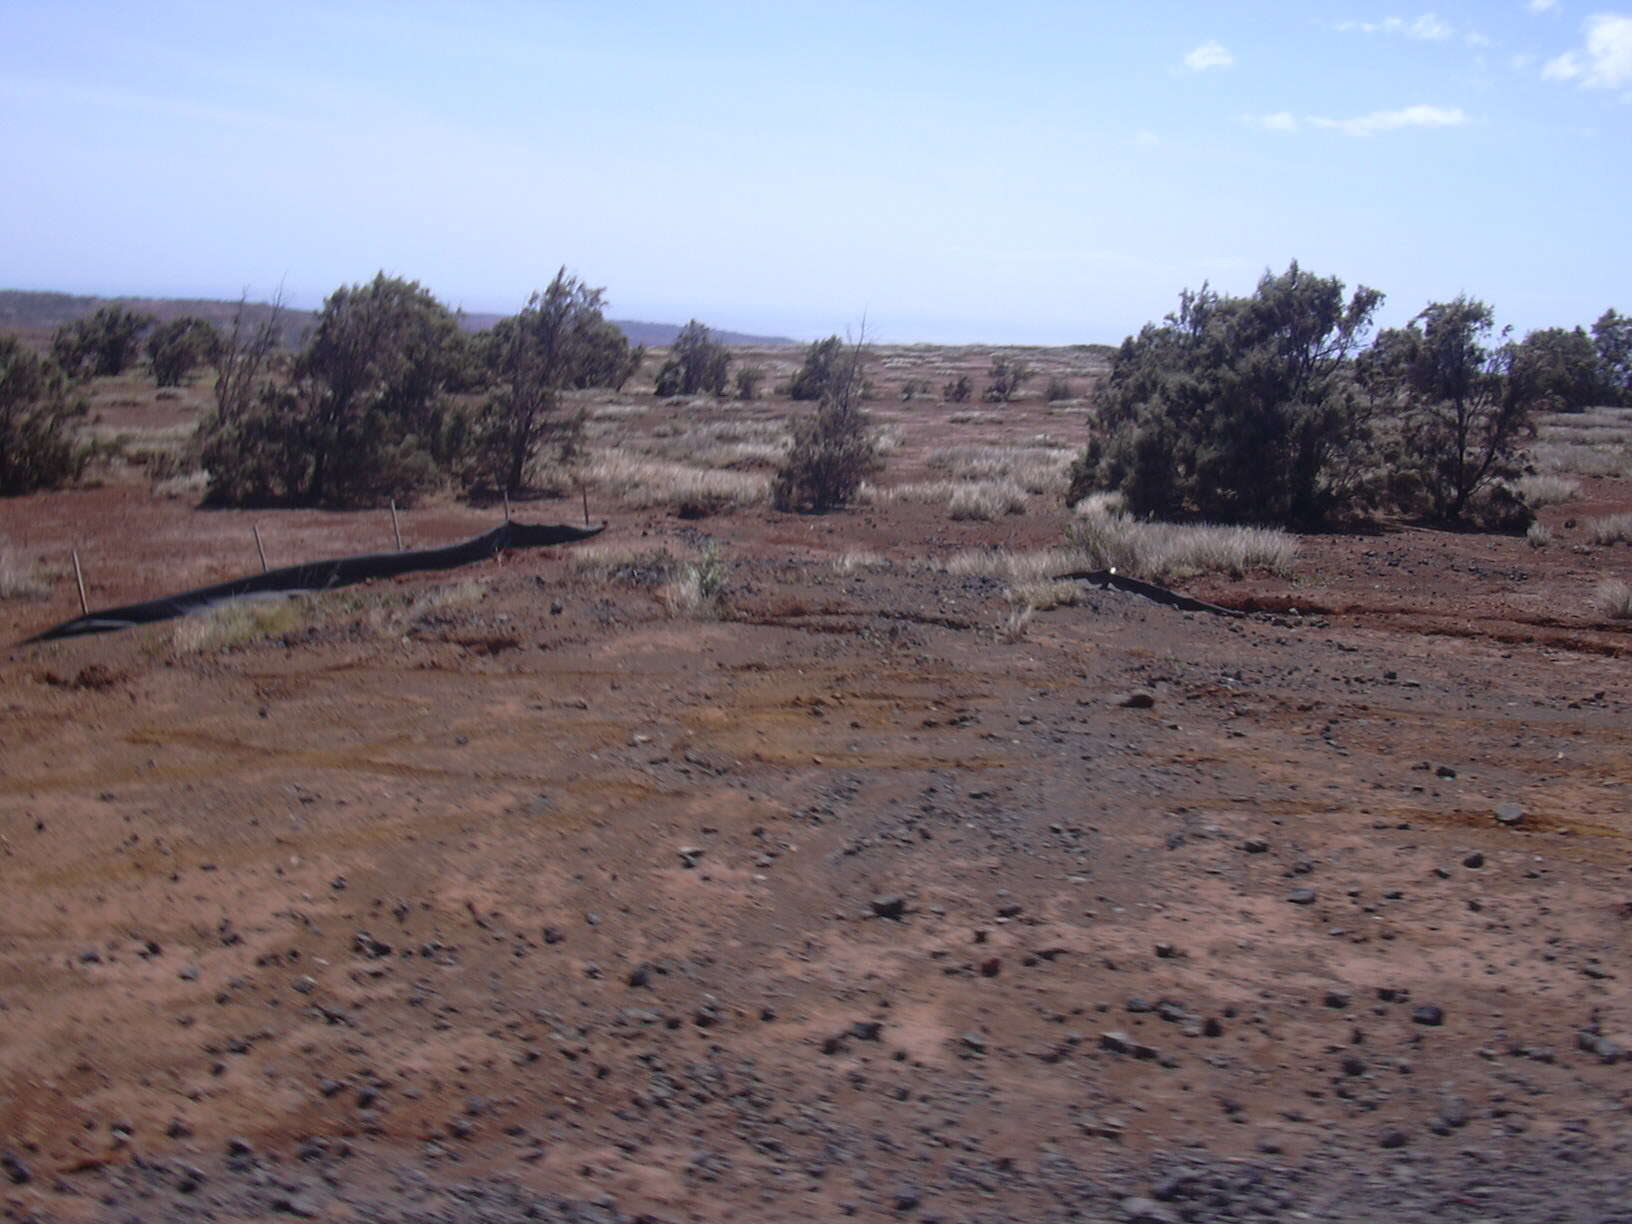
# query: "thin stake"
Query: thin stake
{"points": [[396, 528], [507, 505], [259, 547], [79, 577], [584, 489]]}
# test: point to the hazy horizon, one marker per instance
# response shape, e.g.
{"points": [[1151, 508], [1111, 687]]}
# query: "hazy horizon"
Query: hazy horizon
{"points": [[1045, 173]]}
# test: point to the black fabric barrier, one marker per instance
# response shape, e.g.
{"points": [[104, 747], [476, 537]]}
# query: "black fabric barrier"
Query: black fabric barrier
{"points": [[319, 576]]}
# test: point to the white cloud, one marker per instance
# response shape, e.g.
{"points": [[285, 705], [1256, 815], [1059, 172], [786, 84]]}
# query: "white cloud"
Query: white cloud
{"points": [[1522, 61], [1474, 39], [1208, 55], [1389, 121], [1146, 139], [1541, 6], [1280, 121], [1606, 60], [1430, 27]]}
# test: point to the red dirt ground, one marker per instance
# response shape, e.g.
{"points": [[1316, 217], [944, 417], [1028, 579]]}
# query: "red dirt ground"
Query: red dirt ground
{"points": [[541, 903]]}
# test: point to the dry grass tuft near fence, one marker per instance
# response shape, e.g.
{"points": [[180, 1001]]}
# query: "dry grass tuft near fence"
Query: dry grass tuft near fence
{"points": [[1161, 551]]}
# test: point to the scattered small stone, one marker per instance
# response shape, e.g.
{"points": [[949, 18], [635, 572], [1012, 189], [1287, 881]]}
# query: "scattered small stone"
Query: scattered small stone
{"points": [[1509, 814], [1137, 700], [889, 907], [640, 975], [1444, 771], [1255, 845], [19, 1173], [1394, 1137], [1432, 1016], [991, 967], [689, 856], [906, 1200], [1166, 951], [1337, 1000], [1474, 860], [1147, 1211], [1301, 896]]}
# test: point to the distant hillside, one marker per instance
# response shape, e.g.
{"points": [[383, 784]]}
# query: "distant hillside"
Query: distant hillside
{"points": [[26, 310]]}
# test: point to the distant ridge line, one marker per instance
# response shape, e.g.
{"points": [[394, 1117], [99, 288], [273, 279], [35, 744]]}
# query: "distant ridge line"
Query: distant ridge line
{"points": [[28, 309]]}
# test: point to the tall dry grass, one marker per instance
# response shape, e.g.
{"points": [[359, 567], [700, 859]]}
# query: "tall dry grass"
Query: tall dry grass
{"points": [[1160, 552]]}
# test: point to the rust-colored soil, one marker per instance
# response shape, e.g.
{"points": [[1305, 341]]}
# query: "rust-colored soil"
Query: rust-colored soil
{"points": [[531, 898]]}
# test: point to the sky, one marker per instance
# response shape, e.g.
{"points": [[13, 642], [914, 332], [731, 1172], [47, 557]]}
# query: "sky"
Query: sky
{"points": [[952, 172]]}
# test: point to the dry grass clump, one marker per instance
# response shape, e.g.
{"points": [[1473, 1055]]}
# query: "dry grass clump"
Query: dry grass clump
{"points": [[455, 595], [237, 623], [1614, 598], [986, 501], [18, 579], [1037, 469], [979, 501], [1538, 536], [1015, 568], [1160, 551], [697, 588], [189, 485], [1611, 529], [859, 559], [1580, 459], [1547, 490], [643, 483], [1046, 596]]}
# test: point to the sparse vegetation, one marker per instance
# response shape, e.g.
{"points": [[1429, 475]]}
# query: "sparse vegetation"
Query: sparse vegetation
{"points": [[825, 372], [1538, 536], [958, 390], [1059, 390], [37, 412]]}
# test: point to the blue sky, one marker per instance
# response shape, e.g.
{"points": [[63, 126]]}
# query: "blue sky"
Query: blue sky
{"points": [[1028, 172]]}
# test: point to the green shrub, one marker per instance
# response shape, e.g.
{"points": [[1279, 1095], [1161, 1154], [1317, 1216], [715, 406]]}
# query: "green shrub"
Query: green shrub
{"points": [[958, 390], [37, 446], [697, 363], [103, 345], [1008, 375], [176, 348], [362, 415], [822, 373], [1237, 409], [833, 450]]}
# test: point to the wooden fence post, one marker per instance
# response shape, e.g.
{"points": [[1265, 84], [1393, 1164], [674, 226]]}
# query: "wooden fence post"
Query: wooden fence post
{"points": [[396, 528], [258, 548], [79, 579]]}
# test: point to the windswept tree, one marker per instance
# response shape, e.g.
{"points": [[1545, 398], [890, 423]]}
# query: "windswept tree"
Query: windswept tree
{"points": [[558, 340], [361, 415], [1451, 378], [1239, 409], [834, 447], [697, 363], [104, 344], [37, 411], [1008, 375], [823, 372], [176, 348], [1612, 336], [1557, 368]]}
